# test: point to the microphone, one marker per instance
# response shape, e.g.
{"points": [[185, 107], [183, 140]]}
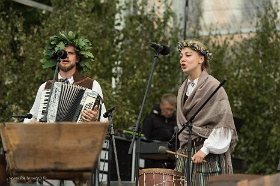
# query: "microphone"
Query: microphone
{"points": [[163, 50], [106, 114], [62, 54], [29, 116]]}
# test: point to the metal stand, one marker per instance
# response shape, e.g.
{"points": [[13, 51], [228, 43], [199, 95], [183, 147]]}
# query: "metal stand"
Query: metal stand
{"points": [[44, 119], [112, 146], [137, 130]]}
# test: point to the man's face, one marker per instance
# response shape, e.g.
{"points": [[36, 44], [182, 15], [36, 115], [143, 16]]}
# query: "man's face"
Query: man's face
{"points": [[70, 61], [167, 109]]}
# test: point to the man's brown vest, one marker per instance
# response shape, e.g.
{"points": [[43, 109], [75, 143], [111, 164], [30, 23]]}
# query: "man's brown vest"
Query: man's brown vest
{"points": [[78, 80]]}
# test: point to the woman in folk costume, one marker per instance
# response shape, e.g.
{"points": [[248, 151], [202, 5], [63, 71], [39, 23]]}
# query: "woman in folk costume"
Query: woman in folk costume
{"points": [[213, 132]]}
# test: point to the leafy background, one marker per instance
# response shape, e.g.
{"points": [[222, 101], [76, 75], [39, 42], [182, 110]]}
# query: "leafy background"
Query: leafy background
{"points": [[124, 58]]}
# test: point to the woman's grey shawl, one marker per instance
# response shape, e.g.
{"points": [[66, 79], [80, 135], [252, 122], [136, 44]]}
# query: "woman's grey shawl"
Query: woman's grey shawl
{"points": [[215, 114]]}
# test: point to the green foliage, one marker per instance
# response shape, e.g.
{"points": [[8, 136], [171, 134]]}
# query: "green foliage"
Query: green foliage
{"points": [[60, 41], [136, 59], [254, 94], [221, 58], [119, 53], [124, 58], [17, 72]]}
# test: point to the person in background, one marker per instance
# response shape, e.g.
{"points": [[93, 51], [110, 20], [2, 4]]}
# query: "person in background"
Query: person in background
{"points": [[160, 126], [213, 132], [160, 123]]}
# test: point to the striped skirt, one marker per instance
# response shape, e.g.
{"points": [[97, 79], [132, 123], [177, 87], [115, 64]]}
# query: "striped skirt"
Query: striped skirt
{"points": [[200, 172]]}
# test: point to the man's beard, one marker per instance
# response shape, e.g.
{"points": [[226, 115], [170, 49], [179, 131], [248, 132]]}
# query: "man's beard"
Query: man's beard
{"points": [[66, 68]]}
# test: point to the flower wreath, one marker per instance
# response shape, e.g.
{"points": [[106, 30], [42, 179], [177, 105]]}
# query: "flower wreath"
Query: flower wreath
{"points": [[195, 46], [60, 41]]}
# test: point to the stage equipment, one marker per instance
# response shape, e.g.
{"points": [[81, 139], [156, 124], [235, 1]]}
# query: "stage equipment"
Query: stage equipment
{"points": [[137, 129], [112, 146], [159, 176]]}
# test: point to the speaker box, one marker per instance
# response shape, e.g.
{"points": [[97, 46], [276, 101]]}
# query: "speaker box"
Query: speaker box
{"points": [[124, 160]]}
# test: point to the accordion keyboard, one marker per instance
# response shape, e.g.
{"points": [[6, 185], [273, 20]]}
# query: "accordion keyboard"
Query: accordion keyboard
{"points": [[43, 103]]}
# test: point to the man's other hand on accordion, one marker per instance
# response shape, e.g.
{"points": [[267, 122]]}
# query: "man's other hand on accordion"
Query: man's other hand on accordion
{"points": [[90, 115]]}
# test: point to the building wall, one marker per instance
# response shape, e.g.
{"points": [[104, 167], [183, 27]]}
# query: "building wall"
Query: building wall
{"points": [[220, 16]]}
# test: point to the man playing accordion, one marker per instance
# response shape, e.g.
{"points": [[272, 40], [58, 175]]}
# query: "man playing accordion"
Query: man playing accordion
{"points": [[78, 58]]}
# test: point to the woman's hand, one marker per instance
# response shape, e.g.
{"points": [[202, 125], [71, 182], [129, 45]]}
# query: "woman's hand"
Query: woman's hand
{"points": [[198, 157]]}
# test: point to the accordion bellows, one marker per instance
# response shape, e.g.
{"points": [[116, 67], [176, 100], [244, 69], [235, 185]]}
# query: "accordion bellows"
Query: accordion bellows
{"points": [[67, 102]]}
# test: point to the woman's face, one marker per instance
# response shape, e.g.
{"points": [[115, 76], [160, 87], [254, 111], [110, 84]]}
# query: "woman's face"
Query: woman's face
{"points": [[191, 61]]}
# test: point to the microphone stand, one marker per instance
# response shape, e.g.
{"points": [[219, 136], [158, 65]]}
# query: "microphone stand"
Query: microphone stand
{"points": [[136, 128], [189, 124], [29, 116], [176, 147], [44, 119], [112, 144], [7, 120]]}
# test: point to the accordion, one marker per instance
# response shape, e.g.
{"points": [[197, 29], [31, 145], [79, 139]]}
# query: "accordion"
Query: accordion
{"points": [[67, 102]]}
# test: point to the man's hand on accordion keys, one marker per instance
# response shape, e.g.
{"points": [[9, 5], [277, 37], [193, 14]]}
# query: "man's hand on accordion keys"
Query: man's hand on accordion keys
{"points": [[90, 115]]}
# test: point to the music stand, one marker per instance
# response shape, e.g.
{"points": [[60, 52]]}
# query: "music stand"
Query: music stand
{"points": [[63, 151]]}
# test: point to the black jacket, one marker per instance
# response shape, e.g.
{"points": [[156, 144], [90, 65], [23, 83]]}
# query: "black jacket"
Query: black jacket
{"points": [[157, 127]]}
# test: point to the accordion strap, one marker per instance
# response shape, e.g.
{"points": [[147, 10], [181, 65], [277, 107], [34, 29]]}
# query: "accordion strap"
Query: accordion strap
{"points": [[86, 82], [81, 81], [78, 80]]}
